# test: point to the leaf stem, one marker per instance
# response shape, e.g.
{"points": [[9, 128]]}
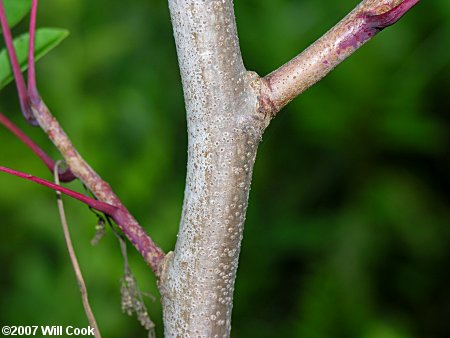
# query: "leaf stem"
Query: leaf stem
{"points": [[64, 176], [95, 204], [20, 82], [32, 88]]}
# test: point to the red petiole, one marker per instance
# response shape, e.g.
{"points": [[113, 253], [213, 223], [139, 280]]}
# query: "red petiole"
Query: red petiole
{"points": [[20, 82], [64, 176], [112, 211]]}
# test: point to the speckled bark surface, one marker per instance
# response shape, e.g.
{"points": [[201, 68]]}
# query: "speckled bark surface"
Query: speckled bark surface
{"points": [[224, 130]]}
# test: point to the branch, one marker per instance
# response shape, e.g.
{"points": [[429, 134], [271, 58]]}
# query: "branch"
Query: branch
{"points": [[363, 23], [151, 253], [130, 227]]}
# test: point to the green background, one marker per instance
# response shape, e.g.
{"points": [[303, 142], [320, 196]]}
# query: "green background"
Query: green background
{"points": [[348, 226]]}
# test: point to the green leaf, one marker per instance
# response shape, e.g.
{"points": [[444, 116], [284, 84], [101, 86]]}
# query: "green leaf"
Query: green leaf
{"points": [[46, 40], [16, 10]]}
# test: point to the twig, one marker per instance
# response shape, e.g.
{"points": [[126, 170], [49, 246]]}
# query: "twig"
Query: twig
{"points": [[73, 259], [152, 254], [365, 21]]}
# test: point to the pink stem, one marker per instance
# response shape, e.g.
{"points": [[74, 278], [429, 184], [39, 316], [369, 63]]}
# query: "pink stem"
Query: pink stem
{"points": [[32, 88], [64, 176], [20, 82], [95, 204]]}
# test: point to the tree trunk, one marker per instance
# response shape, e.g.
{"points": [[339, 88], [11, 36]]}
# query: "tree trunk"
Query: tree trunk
{"points": [[224, 129]]}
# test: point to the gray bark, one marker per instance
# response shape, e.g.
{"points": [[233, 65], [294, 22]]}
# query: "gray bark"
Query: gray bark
{"points": [[224, 129]]}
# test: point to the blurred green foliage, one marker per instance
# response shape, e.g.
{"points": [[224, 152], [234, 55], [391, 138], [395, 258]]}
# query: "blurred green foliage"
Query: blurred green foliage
{"points": [[45, 40], [15, 11], [348, 226]]}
